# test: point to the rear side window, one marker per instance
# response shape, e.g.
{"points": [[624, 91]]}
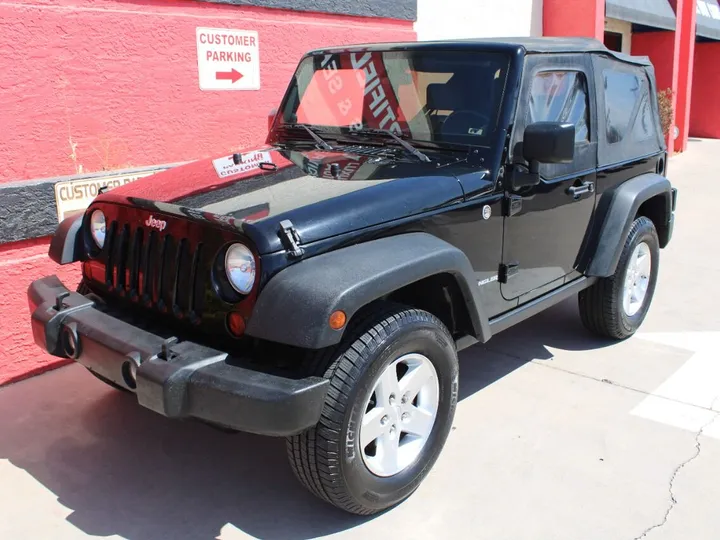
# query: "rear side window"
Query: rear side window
{"points": [[628, 112], [561, 96]]}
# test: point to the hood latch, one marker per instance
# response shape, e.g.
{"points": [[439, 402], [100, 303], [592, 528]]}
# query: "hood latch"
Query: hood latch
{"points": [[290, 238]]}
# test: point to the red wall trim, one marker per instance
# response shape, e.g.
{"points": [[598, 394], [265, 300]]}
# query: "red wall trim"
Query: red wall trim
{"points": [[686, 19]]}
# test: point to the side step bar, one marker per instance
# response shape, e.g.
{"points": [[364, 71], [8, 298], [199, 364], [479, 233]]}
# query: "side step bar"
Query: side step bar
{"points": [[519, 314]]}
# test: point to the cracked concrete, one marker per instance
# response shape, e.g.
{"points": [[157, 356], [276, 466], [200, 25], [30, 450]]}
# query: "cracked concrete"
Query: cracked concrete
{"points": [[671, 483], [544, 445]]}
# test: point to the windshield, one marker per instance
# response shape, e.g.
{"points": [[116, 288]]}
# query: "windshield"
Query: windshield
{"points": [[433, 96]]}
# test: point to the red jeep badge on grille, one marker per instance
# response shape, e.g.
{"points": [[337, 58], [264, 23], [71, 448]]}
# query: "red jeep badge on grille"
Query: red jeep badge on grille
{"points": [[156, 223]]}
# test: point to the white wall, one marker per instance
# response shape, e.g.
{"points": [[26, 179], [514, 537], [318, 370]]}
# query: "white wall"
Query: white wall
{"points": [[621, 27], [457, 19]]}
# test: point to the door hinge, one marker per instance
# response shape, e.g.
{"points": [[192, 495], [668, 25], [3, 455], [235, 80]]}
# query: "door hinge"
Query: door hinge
{"points": [[507, 271], [290, 238], [512, 205]]}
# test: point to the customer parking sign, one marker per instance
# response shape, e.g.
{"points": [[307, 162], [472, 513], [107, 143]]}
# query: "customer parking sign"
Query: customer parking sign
{"points": [[228, 59]]}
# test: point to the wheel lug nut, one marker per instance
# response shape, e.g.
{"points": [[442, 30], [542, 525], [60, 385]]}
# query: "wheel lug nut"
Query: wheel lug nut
{"points": [[384, 420], [404, 399], [405, 417], [392, 430], [392, 399]]}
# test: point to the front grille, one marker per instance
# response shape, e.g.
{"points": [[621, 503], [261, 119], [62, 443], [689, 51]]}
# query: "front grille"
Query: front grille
{"points": [[158, 270]]}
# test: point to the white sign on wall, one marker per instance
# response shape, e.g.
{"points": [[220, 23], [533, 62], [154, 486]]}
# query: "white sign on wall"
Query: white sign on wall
{"points": [[228, 59], [72, 197]]}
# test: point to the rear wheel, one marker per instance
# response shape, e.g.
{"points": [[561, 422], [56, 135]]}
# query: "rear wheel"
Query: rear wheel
{"points": [[388, 412], [616, 306]]}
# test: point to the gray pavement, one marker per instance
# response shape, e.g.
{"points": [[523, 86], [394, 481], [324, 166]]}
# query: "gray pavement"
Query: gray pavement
{"points": [[558, 435]]}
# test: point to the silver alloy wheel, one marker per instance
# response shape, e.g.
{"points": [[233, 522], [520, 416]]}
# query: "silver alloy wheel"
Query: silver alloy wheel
{"points": [[637, 279], [399, 415]]}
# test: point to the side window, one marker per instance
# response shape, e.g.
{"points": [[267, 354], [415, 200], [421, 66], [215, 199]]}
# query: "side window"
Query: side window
{"points": [[627, 108], [561, 96], [644, 127]]}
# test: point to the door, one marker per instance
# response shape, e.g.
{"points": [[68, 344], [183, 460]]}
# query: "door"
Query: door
{"points": [[543, 240]]}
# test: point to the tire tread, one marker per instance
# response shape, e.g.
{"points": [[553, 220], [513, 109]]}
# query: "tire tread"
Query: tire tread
{"points": [[599, 304], [314, 455]]}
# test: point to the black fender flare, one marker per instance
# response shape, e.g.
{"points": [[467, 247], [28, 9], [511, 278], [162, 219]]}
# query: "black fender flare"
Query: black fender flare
{"points": [[66, 244], [295, 305], [617, 209]]}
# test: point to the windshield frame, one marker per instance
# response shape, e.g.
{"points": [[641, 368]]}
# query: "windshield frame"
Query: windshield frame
{"points": [[343, 135]]}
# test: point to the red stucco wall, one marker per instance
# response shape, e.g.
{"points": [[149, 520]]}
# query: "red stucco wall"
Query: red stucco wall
{"points": [[584, 18], [663, 49], [20, 263], [686, 20], [660, 47], [104, 84], [705, 111]]}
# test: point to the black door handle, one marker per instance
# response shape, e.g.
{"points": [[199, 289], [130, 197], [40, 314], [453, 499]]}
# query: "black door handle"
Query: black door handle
{"points": [[577, 191]]}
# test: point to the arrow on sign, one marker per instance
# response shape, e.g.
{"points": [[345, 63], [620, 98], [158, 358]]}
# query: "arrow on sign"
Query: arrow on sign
{"points": [[233, 75]]}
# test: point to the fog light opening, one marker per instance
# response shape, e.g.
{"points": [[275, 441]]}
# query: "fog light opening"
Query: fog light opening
{"points": [[129, 373], [70, 342]]}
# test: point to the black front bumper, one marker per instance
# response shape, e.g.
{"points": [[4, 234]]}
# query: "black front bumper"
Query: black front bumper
{"points": [[178, 380]]}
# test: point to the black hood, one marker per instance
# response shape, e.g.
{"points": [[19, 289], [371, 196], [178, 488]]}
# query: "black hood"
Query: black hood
{"points": [[322, 193]]}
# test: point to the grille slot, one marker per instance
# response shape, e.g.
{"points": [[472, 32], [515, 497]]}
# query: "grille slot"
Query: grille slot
{"points": [[110, 243], [119, 276], [134, 264], [161, 271], [167, 273], [195, 298]]}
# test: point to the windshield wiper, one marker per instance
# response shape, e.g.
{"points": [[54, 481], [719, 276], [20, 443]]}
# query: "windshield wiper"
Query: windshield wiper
{"points": [[402, 142], [318, 140]]}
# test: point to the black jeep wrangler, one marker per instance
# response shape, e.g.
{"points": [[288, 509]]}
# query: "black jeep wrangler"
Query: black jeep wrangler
{"points": [[411, 200]]}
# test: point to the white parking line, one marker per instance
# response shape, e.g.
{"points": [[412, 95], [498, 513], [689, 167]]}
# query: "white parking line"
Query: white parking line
{"points": [[690, 398]]}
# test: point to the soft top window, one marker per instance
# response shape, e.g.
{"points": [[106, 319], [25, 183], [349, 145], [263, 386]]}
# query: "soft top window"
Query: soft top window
{"points": [[627, 107], [628, 115], [561, 96]]}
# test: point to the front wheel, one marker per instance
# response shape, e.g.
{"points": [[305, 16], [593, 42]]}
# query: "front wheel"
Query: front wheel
{"points": [[389, 409]]}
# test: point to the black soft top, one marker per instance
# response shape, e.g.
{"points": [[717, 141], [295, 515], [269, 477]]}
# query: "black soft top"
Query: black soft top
{"points": [[530, 45]]}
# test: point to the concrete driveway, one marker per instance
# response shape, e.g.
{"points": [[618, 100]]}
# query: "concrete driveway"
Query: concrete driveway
{"points": [[558, 435]]}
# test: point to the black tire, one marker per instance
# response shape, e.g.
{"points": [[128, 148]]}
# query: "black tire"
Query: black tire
{"points": [[327, 458], [601, 305]]}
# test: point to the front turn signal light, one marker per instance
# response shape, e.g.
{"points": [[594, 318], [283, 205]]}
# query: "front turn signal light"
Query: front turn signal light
{"points": [[337, 320], [235, 324]]}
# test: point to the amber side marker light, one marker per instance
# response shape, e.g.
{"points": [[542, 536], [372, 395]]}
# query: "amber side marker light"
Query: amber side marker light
{"points": [[337, 320], [235, 324]]}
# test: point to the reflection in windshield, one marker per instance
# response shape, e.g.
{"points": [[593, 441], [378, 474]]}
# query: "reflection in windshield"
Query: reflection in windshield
{"points": [[435, 96]]}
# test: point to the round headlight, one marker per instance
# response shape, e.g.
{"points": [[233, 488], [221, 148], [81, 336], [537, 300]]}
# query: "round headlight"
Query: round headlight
{"points": [[240, 268], [97, 227]]}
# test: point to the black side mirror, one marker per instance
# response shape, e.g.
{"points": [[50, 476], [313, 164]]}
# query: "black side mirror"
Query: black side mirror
{"points": [[549, 142], [544, 142]]}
